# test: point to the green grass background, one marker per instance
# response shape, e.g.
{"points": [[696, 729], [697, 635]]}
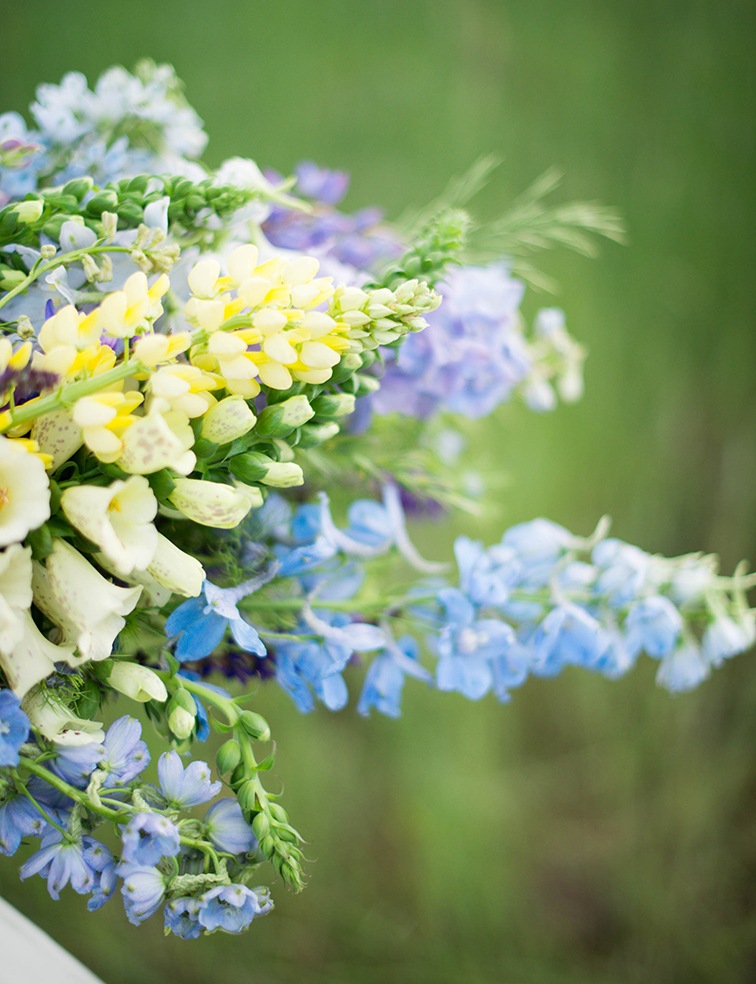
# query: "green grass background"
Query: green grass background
{"points": [[589, 832]]}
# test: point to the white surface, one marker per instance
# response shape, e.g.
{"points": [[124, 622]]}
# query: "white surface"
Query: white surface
{"points": [[29, 956]]}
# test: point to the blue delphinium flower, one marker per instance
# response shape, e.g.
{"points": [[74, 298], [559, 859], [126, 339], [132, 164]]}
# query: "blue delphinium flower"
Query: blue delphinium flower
{"points": [[468, 647], [102, 862], [148, 837], [63, 860], [126, 755], [233, 907], [18, 818], [385, 677], [14, 727], [201, 623], [143, 890], [182, 917], [226, 827], [185, 787], [76, 763]]}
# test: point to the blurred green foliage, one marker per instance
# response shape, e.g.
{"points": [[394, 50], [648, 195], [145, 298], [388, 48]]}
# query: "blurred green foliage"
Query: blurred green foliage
{"points": [[589, 832]]}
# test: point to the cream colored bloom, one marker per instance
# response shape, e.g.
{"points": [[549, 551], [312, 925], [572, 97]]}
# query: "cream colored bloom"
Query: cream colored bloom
{"points": [[15, 594], [158, 440], [57, 722], [24, 492], [32, 658], [211, 503], [85, 606], [138, 682], [228, 420], [118, 518], [175, 570], [58, 435]]}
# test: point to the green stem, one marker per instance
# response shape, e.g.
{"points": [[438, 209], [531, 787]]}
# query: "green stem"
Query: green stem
{"points": [[66, 396], [47, 817], [63, 787], [54, 263]]}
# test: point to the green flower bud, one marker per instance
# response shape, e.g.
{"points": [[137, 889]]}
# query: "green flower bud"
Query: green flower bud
{"points": [[229, 756], [247, 796], [79, 187], [283, 475], [310, 435], [278, 813], [261, 826], [281, 419], [238, 775], [102, 202], [182, 698], [29, 212], [366, 384], [10, 278], [333, 404], [250, 467], [182, 711], [255, 725], [267, 847]]}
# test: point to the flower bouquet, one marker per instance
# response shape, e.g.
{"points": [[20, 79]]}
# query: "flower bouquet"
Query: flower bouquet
{"points": [[221, 398]]}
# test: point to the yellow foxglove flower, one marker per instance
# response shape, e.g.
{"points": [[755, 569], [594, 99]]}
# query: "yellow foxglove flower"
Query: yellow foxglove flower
{"points": [[24, 492], [228, 420], [118, 518], [211, 503], [158, 440], [87, 608], [151, 350], [15, 594], [186, 388], [57, 435], [32, 658], [104, 418]]}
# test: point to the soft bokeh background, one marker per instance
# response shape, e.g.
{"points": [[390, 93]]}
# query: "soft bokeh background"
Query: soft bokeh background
{"points": [[589, 832]]}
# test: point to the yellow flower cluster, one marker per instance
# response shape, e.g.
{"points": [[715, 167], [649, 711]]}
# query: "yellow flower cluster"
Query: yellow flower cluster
{"points": [[280, 336]]}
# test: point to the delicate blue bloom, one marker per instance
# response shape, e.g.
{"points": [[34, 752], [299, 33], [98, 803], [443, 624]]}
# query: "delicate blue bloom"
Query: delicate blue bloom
{"points": [[143, 890], [538, 544], [185, 787], [724, 637], [468, 648], [683, 669], [226, 827], [233, 907], [76, 763], [653, 625], [148, 837], [568, 635], [18, 818], [624, 571], [14, 727], [203, 723], [202, 623], [486, 576], [62, 860], [385, 677], [125, 754], [102, 862], [182, 917], [320, 183]]}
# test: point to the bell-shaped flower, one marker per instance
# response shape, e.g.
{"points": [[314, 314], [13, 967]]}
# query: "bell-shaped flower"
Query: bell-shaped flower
{"points": [[178, 571], [32, 658], [85, 606], [57, 722], [58, 435], [228, 420], [158, 440], [24, 492], [15, 594], [211, 503], [118, 518], [136, 681]]}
